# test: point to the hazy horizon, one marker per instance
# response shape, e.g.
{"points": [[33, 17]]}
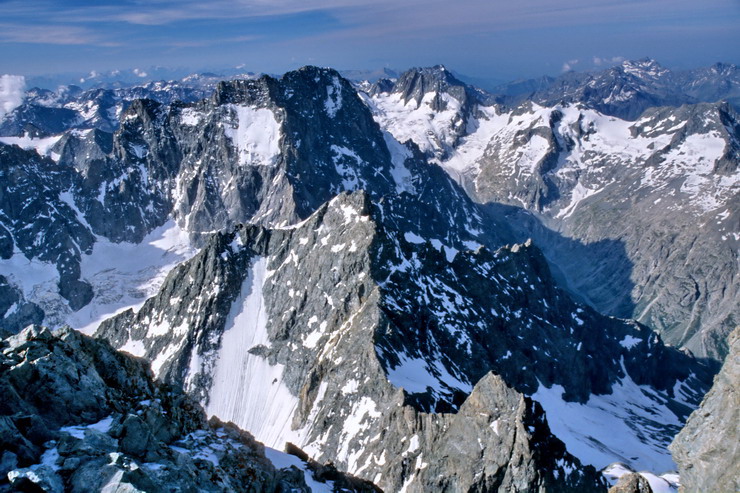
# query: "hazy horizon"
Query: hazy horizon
{"points": [[481, 39]]}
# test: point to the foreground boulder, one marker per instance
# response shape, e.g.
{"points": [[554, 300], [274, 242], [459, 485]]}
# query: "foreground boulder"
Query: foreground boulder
{"points": [[631, 483]]}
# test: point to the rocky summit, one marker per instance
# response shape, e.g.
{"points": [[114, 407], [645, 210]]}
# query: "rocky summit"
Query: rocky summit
{"points": [[79, 416], [409, 285]]}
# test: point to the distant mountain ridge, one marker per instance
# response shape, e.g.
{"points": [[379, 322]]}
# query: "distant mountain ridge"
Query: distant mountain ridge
{"points": [[629, 88]]}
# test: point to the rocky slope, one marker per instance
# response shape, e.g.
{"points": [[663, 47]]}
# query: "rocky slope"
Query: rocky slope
{"points": [[78, 416], [332, 318], [428, 105], [662, 207], [640, 218], [706, 450], [39, 221], [631, 483]]}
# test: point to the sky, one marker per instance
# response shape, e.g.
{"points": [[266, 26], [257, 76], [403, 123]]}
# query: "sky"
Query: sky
{"points": [[486, 39]]}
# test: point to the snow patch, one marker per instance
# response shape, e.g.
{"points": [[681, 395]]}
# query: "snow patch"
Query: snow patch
{"points": [[629, 341], [281, 460], [416, 376], [413, 238], [348, 171], [124, 275], [190, 117], [247, 389], [631, 425], [359, 421], [577, 195], [42, 145], [256, 136], [333, 101], [433, 131], [103, 426], [401, 174], [134, 347]]}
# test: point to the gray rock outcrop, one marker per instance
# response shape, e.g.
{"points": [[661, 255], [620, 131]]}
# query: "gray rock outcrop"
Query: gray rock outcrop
{"points": [[268, 151], [629, 88], [639, 217], [78, 416], [631, 483], [706, 450]]}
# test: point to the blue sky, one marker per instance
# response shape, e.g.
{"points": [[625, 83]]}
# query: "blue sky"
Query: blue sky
{"points": [[491, 39]]}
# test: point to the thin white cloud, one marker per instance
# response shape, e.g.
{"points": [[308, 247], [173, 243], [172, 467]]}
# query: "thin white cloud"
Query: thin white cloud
{"points": [[50, 34], [353, 23], [210, 42], [409, 14], [601, 61], [12, 88], [568, 66]]}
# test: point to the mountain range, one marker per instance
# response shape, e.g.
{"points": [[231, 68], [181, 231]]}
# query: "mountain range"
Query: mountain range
{"points": [[424, 284]]}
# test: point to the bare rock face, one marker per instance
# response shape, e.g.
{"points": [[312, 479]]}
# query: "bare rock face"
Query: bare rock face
{"points": [[15, 311], [266, 151], [631, 483], [627, 90], [352, 299], [498, 441], [37, 221], [78, 416], [706, 450]]}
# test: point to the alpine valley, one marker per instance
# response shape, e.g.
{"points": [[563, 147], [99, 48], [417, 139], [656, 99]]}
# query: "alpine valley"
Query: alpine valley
{"points": [[311, 283]]}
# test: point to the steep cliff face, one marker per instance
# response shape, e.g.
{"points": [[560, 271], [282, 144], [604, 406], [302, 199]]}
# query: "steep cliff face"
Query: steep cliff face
{"points": [[706, 450], [78, 416], [39, 221], [271, 151], [342, 322], [661, 205], [428, 105]]}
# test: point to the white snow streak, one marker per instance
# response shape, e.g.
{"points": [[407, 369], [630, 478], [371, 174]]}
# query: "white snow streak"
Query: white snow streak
{"points": [[41, 145], [247, 389]]}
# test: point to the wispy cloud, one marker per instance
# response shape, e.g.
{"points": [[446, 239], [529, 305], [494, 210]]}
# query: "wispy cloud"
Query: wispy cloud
{"points": [[12, 88], [412, 14], [200, 43], [570, 64], [51, 34], [601, 61]]}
